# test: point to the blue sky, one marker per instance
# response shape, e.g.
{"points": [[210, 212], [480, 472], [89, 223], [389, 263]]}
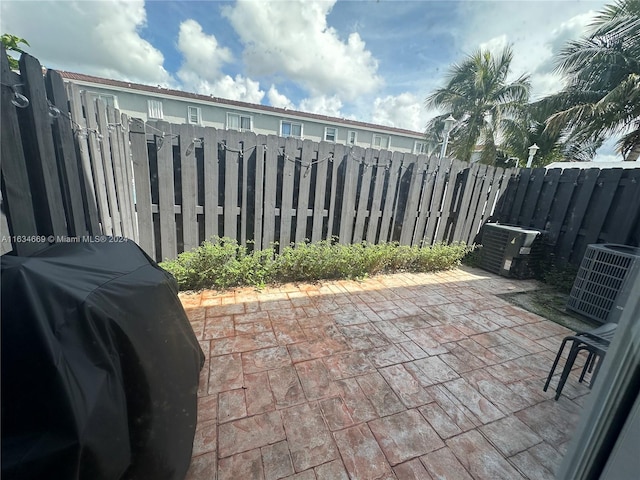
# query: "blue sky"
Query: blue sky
{"points": [[374, 61]]}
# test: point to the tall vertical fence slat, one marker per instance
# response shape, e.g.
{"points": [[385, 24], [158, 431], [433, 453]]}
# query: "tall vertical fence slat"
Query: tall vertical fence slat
{"points": [[291, 155], [309, 155], [66, 151], [211, 182], [89, 194], [547, 194], [444, 232], [102, 183], [433, 210], [566, 187], [626, 212], [336, 166], [349, 192], [271, 178], [231, 171], [249, 143], [430, 165], [604, 193], [16, 193], [375, 214], [261, 143], [113, 135], [166, 193], [413, 198], [363, 199], [325, 162], [462, 210], [129, 177], [389, 207], [40, 154], [536, 182], [104, 146], [189, 187], [140, 158]]}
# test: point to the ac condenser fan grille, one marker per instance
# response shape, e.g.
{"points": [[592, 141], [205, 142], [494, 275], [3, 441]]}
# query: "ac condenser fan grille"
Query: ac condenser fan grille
{"points": [[601, 275]]}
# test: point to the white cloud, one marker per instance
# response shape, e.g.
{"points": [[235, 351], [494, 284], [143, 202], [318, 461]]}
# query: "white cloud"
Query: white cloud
{"points": [[535, 35], [203, 57], [401, 111], [99, 38], [238, 88], [293, 39], [276, 99], [322, 105]]}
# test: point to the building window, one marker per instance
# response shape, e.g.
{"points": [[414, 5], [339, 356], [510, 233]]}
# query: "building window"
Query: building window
{"points": [[290, 129], [155, 109], [381, 142], [352, 137], [109, 100], [330, 134], [242, 123], [419, 147], [194, 115]]}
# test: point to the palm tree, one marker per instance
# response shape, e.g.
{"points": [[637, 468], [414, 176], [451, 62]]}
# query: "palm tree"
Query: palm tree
{"points": [[602, 95], [486, 106]]}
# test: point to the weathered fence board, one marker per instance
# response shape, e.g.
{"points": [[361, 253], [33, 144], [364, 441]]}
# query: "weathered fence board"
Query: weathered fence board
{"points": [[366, 168], [102, 183], [104, 148], [211, 182], [166, 192], [376, 214], [16, 194], [88, 181], [40, 152], [349, 193], [547, 194], [189, 187], [261, 143], [434, 212], [337, 161], [309, 155], [63, 138], [325, 161], [140, 158], [271, 179], [444, 232]]}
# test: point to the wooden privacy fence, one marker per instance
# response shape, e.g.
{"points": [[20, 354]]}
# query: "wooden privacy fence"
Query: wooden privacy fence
{"points": [[193, 183], [73, 167], [66, 173], [576, 207]]}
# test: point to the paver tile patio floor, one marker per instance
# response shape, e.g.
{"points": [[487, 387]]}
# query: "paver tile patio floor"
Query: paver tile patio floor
{"points": [[404, 376]]}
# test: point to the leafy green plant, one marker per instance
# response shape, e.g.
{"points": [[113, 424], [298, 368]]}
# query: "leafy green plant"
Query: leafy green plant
{"points": [[221, 263], [12, 43]]}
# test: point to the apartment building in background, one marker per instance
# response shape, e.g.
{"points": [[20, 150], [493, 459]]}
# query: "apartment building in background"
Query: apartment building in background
{"points": [[178, 107]]}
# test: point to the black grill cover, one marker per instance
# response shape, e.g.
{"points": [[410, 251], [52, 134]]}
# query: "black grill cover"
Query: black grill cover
{"points": [[99, 366]]}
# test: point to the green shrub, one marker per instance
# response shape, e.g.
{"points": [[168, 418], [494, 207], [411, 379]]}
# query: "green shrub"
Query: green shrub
{"points": [[222, 263]]}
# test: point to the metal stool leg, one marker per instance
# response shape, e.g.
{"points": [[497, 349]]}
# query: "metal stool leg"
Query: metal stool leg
{"points": [[588, 366], [555, 363], [567, 369]]}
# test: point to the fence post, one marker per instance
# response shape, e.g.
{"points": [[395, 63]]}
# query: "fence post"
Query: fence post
{"points": [[16, 193]]}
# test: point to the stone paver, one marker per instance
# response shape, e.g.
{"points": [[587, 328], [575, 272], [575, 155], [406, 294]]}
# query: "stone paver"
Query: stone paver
{"points": [[406, 376]]}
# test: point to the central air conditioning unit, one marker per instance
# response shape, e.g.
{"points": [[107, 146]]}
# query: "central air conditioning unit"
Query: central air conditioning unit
{"points": [[600, 279], [510, 251]]}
